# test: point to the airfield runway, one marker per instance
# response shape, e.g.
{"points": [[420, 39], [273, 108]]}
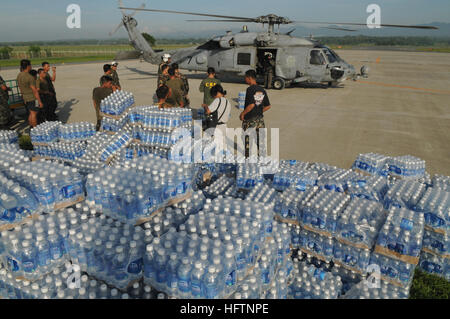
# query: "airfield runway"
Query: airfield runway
{"points": [[402, 108]]}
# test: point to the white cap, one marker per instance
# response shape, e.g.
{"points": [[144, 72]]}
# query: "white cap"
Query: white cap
{"points": [[114, 63]]}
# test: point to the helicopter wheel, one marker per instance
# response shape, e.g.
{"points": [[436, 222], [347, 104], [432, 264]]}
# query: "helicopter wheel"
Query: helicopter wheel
{"points": [[279, 84]]}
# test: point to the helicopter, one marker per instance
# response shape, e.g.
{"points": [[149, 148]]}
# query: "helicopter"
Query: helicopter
{"points": [[296, 60]]}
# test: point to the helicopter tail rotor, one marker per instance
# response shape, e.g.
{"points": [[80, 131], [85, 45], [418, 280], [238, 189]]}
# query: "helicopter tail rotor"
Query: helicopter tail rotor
{"points": [[125, 16]]}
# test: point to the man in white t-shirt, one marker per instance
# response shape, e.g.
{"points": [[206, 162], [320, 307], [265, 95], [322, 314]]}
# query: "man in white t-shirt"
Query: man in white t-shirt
{"points": [[221, 105]]}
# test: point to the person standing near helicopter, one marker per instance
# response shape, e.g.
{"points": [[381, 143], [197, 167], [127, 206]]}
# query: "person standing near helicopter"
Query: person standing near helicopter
{"points": [[269, 70]]}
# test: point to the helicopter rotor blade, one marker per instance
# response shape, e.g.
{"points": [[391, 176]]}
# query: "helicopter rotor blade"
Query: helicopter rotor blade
{"points": [[136, 11], [188, 13], [120, 6], [339, 29], [364, 24], [116, 29], [231, 20]]}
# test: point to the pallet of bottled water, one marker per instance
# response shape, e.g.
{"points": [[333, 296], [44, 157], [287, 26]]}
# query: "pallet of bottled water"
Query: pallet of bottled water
{"points": [[139, 189], [339, 179], [76, 132], [248, 175], [109, 250], [67, 282], [17, 204], [373, 188], [393, 270], [321, 210], [311, 282], [45, 133], [116, 104], [60, 151], [436, 243], [111, 126], [372, 163], [154, 118], [401, 236], [8, 137], [287, 204], [35, 249], [442, 182], [382, 290], [314, 244], [435, 264], [435, 205], [262, 193], [293, 172], [404, 193]]}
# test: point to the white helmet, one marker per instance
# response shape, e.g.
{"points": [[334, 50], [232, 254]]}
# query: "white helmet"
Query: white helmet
{"points": [[166, 57]]}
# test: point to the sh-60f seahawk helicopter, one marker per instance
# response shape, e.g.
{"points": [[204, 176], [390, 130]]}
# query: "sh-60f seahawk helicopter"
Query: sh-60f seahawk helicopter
{"points": [[296, 59]]}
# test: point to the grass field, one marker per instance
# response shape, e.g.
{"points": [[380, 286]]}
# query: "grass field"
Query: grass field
{"points": [[426, 286], [77, 54]]}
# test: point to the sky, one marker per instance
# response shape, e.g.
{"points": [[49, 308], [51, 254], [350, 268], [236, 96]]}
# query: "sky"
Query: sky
{"points": [[36, 20]]}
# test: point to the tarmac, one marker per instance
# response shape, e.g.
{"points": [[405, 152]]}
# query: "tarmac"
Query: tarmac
{"points": [[402, 108]]}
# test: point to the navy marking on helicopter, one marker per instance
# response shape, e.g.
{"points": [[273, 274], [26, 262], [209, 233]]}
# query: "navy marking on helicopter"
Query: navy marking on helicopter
{"points": [[297, 60]]}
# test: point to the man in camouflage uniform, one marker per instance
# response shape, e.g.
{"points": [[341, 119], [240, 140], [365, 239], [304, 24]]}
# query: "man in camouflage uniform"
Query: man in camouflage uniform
{"points": [[256, 103], [164, 77], [115, 76], [165, 60], [5, 112], [184, 79]]}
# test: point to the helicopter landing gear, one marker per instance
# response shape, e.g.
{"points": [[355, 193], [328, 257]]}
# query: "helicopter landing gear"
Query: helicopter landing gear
{"points": [[279, 83], [332, 84]]}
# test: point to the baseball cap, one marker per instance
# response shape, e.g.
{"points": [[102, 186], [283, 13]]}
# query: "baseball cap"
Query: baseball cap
{"points": [[114, 63]]}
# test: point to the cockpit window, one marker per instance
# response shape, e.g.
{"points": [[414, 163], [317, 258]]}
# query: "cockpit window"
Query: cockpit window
{"points": [[331, 55], [317, 58]]}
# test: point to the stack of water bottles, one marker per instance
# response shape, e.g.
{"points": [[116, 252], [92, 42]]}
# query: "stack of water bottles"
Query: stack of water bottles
{"points": [[16, 202], [404, 193], [109, 250], [398, 245], [314, 244], [286, 204], [90, 161], [46, 132], [338, 179], [76, 132], [37, 248], [321, 211], [373, 188], [62, 151], [117, 103], [113, 125], [314, 283], [61, 284], [219, 187], [442, 182], [11, 158], [248, 175], [262, 193], [385, 290], [372, 163], [115, 144], [407, 166], [54, 185], [435, 256], [294, 173], [356, 234], [241, 100], [8, 137], [152, 117], [138, 189]]}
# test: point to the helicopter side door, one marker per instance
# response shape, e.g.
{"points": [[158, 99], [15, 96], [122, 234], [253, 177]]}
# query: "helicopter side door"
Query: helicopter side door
{"points": [[316, 66]]}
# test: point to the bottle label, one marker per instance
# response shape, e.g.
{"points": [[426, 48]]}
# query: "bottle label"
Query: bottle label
{"points": [[13, 264], [135, 267], [28, 266], [43, 257], [231, 279], [196, 288], [406, 224], [183, 285]]}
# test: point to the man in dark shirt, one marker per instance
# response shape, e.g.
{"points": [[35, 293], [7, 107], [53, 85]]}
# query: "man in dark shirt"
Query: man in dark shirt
{"points": [[52, 103], [176, 87], [99, 94], [163, 93], [256, 103], [6, 115]]}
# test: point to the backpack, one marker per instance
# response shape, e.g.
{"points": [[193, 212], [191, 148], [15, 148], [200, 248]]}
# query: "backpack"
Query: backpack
{"points": [[212, 119]]}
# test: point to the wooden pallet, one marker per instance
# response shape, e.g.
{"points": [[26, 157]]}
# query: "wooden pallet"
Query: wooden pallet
{"points": [[22, 222], [392, 254]]}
